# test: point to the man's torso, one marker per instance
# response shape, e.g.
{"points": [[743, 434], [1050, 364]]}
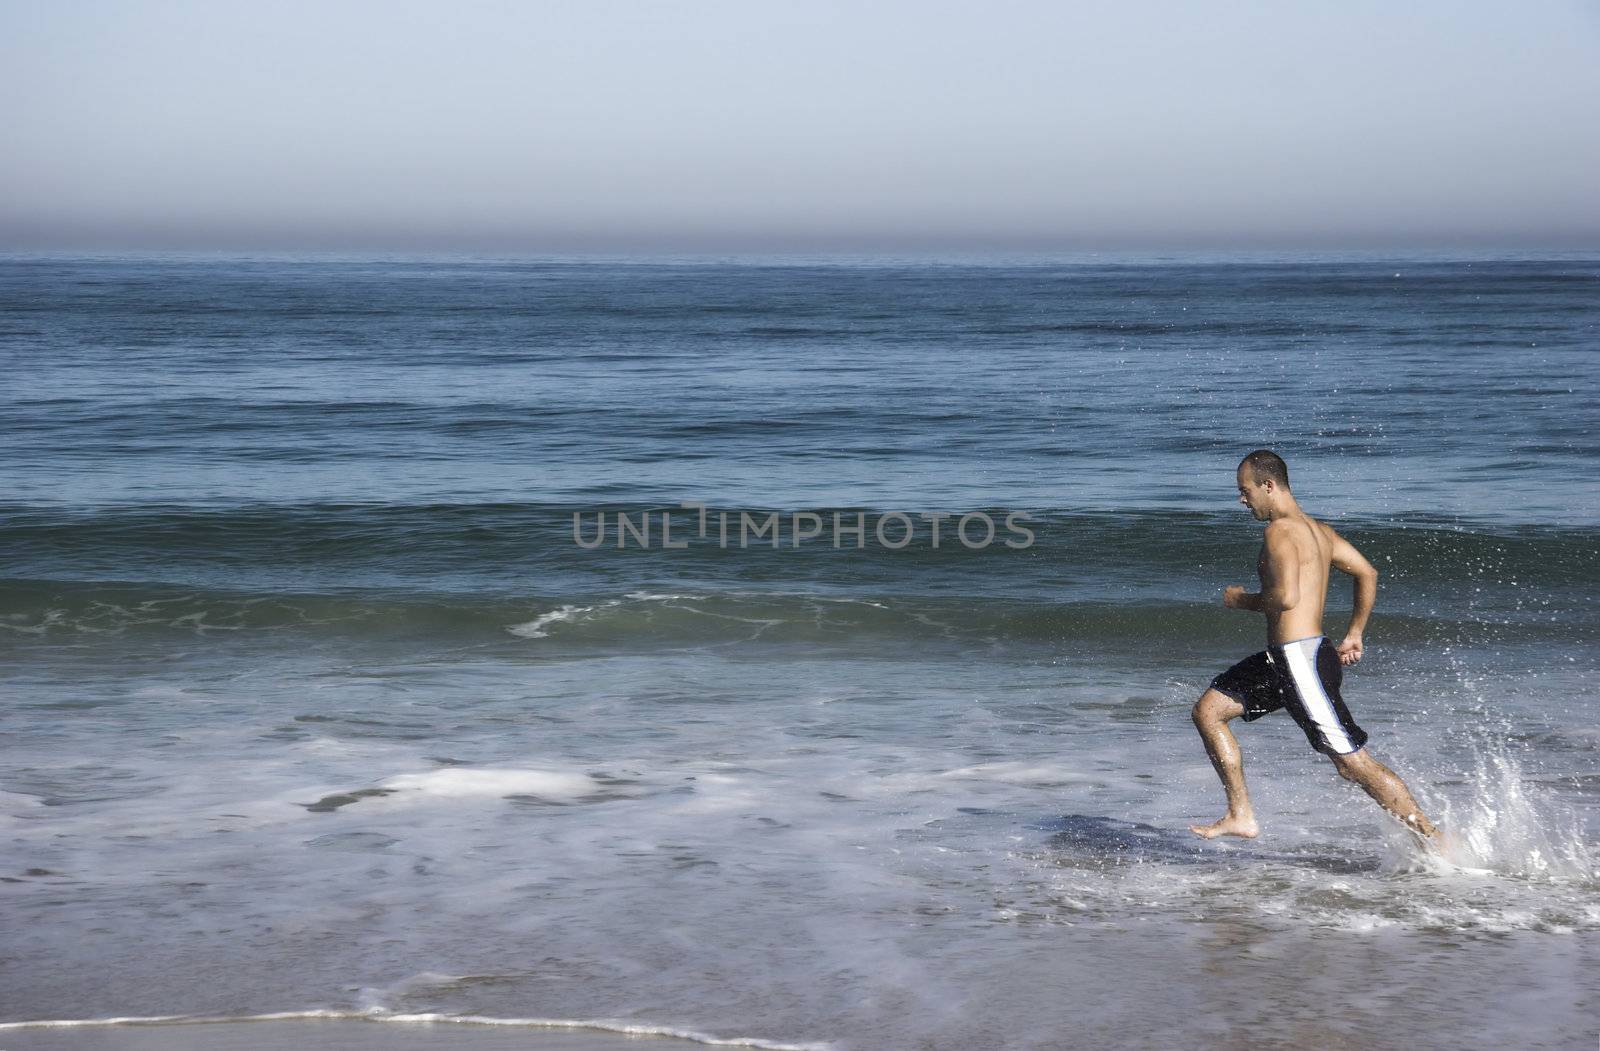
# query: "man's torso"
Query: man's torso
{"points": [[1313, 552]]}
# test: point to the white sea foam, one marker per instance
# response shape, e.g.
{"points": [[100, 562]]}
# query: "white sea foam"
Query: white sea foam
{"points": [[722, 603], [14, 804], [538, 627], [1044, 775], [535, 628], [458, 782], [378, 1014]]}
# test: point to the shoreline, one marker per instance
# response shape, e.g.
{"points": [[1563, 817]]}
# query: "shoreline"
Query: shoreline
{"points": [[358, 1031]]}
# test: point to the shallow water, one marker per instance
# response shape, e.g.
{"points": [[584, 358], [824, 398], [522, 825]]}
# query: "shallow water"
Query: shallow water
{"points": [[313, 703]]}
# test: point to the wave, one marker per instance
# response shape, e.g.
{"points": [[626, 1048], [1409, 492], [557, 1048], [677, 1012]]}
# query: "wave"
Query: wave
{"points": [[54, 610], [468, 546], [418, 1018]]}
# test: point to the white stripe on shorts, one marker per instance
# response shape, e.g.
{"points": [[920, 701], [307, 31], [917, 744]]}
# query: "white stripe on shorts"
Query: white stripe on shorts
{"points": [[1312, 697]]}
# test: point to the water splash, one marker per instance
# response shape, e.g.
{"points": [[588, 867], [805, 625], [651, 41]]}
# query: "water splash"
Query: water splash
{"points": [[1510, 825]]}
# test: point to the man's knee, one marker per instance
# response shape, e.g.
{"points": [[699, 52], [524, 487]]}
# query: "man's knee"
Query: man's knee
{"points": [[1215, 707]]}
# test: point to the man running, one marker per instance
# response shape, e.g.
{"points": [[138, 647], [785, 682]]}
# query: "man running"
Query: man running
{"points": [[1300, 670]]}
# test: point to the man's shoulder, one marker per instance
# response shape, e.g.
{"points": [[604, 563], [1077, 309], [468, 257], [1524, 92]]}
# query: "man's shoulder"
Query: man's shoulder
{"points": [[1294, 530], [1282, 527], [1322, 527]]}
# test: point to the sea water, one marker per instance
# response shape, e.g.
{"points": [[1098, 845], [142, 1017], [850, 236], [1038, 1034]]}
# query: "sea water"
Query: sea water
{"points": [[312, 702]]}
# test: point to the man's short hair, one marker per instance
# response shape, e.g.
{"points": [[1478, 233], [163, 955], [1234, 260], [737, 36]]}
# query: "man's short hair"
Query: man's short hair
{"points": [[1264, 464]]}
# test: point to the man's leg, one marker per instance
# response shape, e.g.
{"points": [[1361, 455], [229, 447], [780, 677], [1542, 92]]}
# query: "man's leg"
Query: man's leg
{"points": [[1211, 714], [1385, 786]]}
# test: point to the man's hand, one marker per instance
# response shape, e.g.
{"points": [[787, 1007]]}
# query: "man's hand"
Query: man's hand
{"points": [[1350, 649], [1233, 596]]}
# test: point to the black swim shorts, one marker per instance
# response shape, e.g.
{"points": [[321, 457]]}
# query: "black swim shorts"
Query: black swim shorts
{"points": [[1302, 676]]}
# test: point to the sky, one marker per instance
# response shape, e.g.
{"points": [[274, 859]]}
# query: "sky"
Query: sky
{"points": [[713, 125]]}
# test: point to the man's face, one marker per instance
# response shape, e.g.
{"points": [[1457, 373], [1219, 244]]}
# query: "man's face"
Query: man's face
{"points": [[1251, 495]]}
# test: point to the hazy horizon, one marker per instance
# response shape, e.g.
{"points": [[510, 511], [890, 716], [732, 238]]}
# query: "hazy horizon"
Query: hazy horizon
{"points": [[816, 127]]}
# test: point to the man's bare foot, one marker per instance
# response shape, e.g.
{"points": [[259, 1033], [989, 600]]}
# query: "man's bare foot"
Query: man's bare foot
{"points": [[1244, 827]]}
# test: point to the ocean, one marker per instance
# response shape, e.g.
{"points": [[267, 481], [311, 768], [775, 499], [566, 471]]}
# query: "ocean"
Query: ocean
{"points": [[322, 698]]}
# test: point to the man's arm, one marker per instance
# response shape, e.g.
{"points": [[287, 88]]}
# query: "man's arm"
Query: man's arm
{"points": [[1346, 559], [1280, 578]]}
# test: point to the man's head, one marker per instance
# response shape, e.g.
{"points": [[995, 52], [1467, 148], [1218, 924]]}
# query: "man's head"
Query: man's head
{"points": [[1263, 480]]}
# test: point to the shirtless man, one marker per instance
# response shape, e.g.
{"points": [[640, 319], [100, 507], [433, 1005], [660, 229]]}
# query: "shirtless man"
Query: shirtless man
{"points": [[1300, 669]]}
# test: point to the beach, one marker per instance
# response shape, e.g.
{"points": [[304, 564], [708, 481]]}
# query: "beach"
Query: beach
{"points": [[316, 703]]}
